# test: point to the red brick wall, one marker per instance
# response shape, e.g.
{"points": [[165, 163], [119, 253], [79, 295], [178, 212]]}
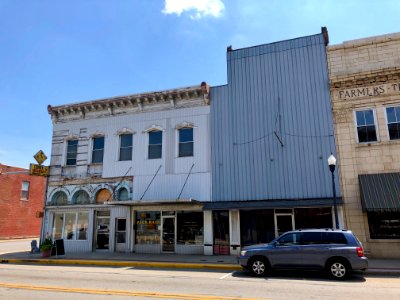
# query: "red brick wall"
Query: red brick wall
{"points": [[18, 217]]}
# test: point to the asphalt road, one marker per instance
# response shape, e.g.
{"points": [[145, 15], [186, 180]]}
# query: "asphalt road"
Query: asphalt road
{"points": [[66, 282]]}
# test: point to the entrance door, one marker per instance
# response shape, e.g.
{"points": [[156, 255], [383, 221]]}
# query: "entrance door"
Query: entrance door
{"points": [[283, 223], [102, 230], [168, 234]]}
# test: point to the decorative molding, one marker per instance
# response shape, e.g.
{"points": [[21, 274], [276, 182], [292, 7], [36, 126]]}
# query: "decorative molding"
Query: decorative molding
{"points": [[366, 78], [132, 103], [153, 128], [184, 124], [125, 130]]}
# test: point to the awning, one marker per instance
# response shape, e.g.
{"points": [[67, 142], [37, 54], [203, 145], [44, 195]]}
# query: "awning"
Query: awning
{"points": [[273, 203], [380, 192], [154, 202]]}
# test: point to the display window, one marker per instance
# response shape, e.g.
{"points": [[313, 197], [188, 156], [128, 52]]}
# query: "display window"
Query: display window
{"points": [[190, 228], [313, 217], [148, 225], [70, 226], [384, 225]]}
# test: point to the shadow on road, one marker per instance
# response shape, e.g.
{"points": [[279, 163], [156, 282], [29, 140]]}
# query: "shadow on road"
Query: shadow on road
{"points": [[301, 275]]}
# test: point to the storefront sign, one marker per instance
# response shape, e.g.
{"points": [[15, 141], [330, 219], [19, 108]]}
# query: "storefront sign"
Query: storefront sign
{"points": [[38, 170], [371, 91]]}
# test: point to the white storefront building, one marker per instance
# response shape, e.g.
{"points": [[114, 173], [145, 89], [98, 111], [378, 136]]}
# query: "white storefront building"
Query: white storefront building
{"points": [[130, 173]]}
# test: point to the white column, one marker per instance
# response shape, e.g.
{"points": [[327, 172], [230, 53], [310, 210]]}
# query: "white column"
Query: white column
{"points": [[208, 233], [234, 231]]}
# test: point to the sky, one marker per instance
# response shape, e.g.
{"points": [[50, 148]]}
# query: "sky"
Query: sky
{"points": [[66, 51]]}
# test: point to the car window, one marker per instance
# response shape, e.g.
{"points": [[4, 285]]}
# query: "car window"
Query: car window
{"points": [[334, 238], [311, 238], [290, 239]]}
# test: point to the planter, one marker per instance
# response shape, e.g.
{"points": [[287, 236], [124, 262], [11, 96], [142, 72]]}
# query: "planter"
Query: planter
{"points": [[46, 253]]}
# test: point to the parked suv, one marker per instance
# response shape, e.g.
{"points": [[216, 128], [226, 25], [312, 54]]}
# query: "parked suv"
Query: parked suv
{"points": [[336, 251]]}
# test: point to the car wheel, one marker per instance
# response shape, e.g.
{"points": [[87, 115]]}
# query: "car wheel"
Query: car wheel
{"points": [[338, 269], [259, 266]]}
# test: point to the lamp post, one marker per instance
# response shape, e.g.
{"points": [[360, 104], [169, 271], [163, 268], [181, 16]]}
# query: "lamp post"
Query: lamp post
{"points": [[332, 166]]}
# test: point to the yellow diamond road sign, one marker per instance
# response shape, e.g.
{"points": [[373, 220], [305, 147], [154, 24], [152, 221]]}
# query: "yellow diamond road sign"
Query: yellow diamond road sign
{"points": [[40, 157]]}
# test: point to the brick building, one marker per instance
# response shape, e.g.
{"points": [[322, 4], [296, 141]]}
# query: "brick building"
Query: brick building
{"points": [[21, 196], [365, 93]]}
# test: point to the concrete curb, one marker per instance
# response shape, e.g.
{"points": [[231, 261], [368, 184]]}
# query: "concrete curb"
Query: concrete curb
{"points": [[114, 263]]}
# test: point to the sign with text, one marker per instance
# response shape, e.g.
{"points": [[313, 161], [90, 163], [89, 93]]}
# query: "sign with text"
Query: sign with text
{"points": [[370, 91], [38, 170]]}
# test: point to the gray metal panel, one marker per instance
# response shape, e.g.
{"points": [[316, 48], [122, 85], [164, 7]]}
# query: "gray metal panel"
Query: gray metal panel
{"points": [[281, 87]]}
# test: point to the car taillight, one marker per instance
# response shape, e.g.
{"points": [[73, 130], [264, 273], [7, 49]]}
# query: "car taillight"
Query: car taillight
{"points": [[360, 251]]}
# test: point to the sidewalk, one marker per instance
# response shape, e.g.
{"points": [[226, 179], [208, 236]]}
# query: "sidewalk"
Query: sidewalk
{"points": [[179, 261]]}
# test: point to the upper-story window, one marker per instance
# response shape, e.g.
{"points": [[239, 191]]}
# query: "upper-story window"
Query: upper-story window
{"points": [[125, 148], [98, 150], [155, 144], [72, 152], [393, 119], [25, 190], [366, 128], [185, 142]]}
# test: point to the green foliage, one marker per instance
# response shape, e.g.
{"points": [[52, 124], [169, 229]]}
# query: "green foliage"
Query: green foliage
{"points": [[46, 245]]}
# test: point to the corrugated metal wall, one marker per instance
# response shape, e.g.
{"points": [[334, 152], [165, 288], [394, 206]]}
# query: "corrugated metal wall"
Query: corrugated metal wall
{"points": [[280, 88]]}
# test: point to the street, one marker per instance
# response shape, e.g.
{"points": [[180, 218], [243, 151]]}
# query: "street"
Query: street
{"points": [[64, 282]]}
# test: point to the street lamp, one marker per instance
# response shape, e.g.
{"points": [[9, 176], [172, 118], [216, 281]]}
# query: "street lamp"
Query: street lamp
{"points": [[332, 166]]}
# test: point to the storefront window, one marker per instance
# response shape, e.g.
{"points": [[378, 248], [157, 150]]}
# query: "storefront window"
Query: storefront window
{"points": [[257, 226], [313, 218], [82, 226], [73, 228], [69, 226], [148, 227], [190, 228], [58, 225], [384, 225]]}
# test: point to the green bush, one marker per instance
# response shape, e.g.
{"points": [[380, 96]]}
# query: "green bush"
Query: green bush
{"points": [[46, 245]]}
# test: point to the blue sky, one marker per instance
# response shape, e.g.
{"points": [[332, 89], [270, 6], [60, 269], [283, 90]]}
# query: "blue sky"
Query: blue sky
{"points": [[59, 52]]}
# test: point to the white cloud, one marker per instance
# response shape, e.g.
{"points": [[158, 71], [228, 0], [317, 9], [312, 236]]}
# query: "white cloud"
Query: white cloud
{"points": [[195, 8]]}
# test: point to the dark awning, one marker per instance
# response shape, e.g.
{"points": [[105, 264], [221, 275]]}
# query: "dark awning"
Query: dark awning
{"points": [[380, 192], [273, 203]]}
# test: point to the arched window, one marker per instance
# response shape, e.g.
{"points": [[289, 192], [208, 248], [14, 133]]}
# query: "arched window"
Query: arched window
{"points": [[81, 197], [123, 194], [103, 195], [59, 198]]}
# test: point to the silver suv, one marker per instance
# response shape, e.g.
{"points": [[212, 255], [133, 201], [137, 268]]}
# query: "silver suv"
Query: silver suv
{"points": [[336, 251]]}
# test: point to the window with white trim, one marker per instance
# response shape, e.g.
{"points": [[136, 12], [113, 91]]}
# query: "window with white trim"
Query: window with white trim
{"points": [[98, 150], [72, 152], [25, 190], [185, 142], [70, 226], [393, 119], [125, 146], [155, 144], [366, 128]]}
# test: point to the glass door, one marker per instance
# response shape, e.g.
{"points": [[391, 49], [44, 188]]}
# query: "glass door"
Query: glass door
{"points": [[168, 234], [283, 223], [102, 230]]}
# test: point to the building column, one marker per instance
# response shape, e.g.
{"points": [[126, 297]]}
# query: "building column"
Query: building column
{"points": [[208, 233], [234, 231]]}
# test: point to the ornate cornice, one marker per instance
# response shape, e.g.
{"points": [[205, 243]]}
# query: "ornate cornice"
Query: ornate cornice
{"points": [[366, 78], [132, 103]]}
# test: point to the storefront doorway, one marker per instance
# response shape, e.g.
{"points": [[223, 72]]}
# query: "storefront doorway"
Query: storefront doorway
{"points": [[168, 234], [102, 230], [283, 222]]}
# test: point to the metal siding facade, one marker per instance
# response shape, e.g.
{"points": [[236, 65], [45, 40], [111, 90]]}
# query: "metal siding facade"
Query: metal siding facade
{"points": [[248, 162]]}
